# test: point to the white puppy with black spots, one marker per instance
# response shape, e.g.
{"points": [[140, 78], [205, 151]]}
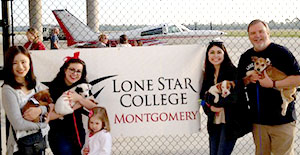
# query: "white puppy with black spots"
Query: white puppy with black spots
{"points": [[64, 106]]}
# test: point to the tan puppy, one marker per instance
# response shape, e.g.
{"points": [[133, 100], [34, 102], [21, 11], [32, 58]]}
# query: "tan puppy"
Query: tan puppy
{"points": [[42, 98], [222, 88], [262, 64]]}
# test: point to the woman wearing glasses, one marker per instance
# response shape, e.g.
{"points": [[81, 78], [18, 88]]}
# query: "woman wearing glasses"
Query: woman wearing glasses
{"points": [[223, 125], [66, 136]]}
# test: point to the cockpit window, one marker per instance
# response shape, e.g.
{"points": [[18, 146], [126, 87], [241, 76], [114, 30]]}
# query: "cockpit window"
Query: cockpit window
{"points": [[152, 32], [173, 29]]}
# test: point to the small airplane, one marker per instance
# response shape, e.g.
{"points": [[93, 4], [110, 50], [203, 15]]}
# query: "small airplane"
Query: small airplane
{"points": [[78, 34]]}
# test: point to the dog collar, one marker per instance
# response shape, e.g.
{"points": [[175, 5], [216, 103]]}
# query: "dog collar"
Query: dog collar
{"points": [[34, 101]]}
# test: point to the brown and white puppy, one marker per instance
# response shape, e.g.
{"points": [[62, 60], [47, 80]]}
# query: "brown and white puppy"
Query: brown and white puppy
{"points": [[261, 65], [222, 88], [42, 98]]}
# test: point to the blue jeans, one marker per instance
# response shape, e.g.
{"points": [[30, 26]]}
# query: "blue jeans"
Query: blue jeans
{"points": [[218, 143], [21, 153], [61, 144]]}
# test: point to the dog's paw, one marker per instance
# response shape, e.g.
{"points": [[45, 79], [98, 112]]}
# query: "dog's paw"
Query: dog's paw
{"points": [[283, 112], [284, 108], [216, 100]]}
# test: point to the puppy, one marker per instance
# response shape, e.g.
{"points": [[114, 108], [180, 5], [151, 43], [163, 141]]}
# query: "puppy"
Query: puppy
{"points": [[222, 88], [262, 64], [63, 106], [41, 98]]}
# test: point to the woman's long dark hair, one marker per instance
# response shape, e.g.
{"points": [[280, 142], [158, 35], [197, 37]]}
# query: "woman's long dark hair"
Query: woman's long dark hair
{"points": [[9, 77], [59, 79]]}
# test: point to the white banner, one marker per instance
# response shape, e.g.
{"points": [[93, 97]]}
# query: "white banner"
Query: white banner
{"points": [[146, 90]]}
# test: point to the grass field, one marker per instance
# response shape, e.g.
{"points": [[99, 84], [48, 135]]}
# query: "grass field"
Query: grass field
{"points": [[274, 33]]}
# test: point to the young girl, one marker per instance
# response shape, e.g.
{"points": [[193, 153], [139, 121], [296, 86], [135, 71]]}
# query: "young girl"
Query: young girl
{"points": [[19, 85], [33, 42], [98, 141]]}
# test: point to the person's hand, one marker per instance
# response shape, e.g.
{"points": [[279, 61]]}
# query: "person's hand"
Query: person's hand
{"points": [[216, 109], [76, 106], [51, 109], [73, 96], [254, 77], [86, 151], [266, 81], [32, 113]]}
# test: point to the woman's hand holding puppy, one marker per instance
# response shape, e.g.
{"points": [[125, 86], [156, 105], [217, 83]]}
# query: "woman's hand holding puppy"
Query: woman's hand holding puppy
{"points": [[80, 101], [216, 109], [51, 110], [75, 97], [32, 113]]}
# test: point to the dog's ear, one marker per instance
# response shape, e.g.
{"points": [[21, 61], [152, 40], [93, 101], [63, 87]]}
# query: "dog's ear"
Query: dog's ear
{"points": [[254, 58], [50, 100], [218, 86], [90, 93], [38, 96], [232, 84], [78, 90], [268, 61], [48, 97], [89, 86]]}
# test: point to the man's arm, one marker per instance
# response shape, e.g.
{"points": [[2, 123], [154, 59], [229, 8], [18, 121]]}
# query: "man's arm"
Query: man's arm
{"points": [[56, 44], [290, 81], [54, 39]]}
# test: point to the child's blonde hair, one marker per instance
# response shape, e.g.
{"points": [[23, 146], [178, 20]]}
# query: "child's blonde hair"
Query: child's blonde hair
{"points": [[101, 114]]}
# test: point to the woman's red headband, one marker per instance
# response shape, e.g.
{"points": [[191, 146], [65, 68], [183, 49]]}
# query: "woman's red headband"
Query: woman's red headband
{"points": [[75, 56]]}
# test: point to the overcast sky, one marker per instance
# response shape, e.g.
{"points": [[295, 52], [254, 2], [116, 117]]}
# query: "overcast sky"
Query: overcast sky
{"points": [[163, 11]]}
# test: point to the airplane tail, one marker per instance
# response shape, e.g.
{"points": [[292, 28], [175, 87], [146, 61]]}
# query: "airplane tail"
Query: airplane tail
{"points": [[74, 30]]}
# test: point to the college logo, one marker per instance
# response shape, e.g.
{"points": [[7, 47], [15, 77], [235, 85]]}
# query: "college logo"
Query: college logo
{"points": [[98, 81]]}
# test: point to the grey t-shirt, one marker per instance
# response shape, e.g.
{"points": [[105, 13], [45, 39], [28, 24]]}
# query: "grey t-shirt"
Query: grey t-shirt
{"points": [[54, 38]]}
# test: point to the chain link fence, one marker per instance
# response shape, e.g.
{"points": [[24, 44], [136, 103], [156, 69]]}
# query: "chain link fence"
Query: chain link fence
{"points": [[231, 17]]}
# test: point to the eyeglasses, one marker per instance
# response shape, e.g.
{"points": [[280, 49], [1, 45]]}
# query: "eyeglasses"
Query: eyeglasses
{"points": [[74, 71]]}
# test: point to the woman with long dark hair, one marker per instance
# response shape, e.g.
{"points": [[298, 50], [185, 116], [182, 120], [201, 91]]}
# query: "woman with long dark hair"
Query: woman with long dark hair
{"points": [[19, 85], [223, 123], [67, 135]]}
